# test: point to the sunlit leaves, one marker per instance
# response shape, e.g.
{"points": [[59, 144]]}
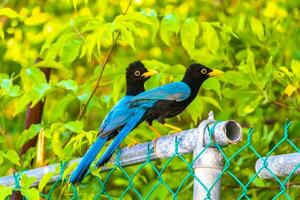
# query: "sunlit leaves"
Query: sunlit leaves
{"points": [[13, 157], [68, 85], [74, 126], [170, 24], [8, 12], [45, 179], [27, 181], [152, 17], [213, 84], [57, 145], [249, 106], [210, 38], [36, 18], [257, 28], [32, 193], [70, 50], [289, 90], [188, 34], [7, 88], [5, 192], [295, 65]]}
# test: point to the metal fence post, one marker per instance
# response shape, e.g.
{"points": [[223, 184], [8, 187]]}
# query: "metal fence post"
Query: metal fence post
{"points": [[208, 161]]}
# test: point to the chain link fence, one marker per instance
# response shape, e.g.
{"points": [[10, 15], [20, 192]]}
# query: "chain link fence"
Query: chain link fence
{"points": [[193, 163]]}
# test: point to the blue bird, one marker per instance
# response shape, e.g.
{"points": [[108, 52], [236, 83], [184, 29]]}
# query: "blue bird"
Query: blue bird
{"points": [[117, 118], [162, 102]]}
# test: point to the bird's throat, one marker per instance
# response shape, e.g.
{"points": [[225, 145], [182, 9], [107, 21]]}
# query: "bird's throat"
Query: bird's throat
{"points": [[134, 89]]}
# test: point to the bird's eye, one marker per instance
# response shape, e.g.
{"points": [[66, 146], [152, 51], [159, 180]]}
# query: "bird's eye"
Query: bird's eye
{"points": [[137, 73], [203, 71]]}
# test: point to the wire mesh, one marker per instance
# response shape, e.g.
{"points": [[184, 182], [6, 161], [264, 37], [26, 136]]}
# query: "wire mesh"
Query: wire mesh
{"points": [[173, 178]]}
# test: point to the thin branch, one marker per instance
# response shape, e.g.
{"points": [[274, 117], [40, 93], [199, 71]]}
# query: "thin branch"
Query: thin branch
{"points": [[103, 66]]}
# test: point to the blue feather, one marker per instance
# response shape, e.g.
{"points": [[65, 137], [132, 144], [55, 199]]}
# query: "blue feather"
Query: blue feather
{"points": [[79, 173], [132, 123]]}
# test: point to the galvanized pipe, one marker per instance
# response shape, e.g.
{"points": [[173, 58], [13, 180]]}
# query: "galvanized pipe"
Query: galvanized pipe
{"points": [[208, 161], [280, 165]]}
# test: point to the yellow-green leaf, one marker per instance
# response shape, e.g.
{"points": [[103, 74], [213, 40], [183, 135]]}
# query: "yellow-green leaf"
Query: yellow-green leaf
{"points": [[45, 179], [27, 181], [68, 85], [295, 65], [8, 12], [32, 193], [289, 90], [74, 126], [5, 192], [210, 38], [13, 157], [211, 101], [257, 28], [170, 24], [188, 34]]}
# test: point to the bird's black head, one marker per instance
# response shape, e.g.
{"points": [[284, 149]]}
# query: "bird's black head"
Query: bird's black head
{"points": [[136, 76], [197, 73]]}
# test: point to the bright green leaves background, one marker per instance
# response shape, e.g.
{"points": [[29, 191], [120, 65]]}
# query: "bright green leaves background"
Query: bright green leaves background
{"points": [[255, 43]]}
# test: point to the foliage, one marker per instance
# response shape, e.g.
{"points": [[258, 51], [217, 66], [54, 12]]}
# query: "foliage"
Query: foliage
{"points": [[256, 43]]}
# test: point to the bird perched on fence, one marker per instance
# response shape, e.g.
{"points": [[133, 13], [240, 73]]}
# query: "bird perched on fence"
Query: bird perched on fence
{"points": [[162, 102], [136, 76]]}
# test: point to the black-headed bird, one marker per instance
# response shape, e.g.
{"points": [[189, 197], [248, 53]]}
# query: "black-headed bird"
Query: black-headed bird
{"points": [[162, 102], [116, 119]]}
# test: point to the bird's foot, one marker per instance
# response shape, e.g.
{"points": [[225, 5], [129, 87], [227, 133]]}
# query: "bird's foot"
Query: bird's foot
{"points": [[154, 141], [131, 145], [155, 131], [175, 129]]}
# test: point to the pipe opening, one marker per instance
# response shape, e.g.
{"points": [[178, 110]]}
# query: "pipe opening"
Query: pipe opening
{"points": [[233, 131]]}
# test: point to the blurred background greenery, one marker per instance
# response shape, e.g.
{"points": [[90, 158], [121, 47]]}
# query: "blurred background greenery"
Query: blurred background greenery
{"points": [[255, 42]]}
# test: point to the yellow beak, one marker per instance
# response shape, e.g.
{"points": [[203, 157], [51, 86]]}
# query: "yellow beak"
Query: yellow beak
{"points": [[215, 72], [151, 72]]}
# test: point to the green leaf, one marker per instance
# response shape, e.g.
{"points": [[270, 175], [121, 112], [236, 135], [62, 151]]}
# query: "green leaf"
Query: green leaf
{"points": [[57, 145], [232, 77], [9, 89], [249, 106], [70, 50], [30, 76], [211, 101], [257, 28], [45, 179], [5, 192], [39, 91], [32, 193], [152, 16], [188, 34], [213, 84], [27, 134], [8, 12], [170, 24], [74, 126], [210, 38], [27, 181], [68, 85], [126, 34], [295, 65], [13, 157], [69, 169]]}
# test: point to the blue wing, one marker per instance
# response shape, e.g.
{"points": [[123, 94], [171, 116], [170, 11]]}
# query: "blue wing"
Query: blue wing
{"points": [[177, 91], [117, 117], [133, 121]]}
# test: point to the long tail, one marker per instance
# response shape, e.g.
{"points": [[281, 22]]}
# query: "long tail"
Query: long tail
{"points": [[82, 168], [133, 122]]}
